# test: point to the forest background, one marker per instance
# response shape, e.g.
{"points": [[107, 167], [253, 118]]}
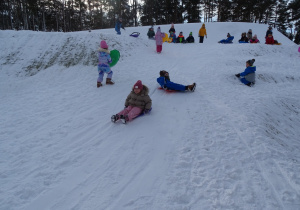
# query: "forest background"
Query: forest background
{"points": [[80, 15]]}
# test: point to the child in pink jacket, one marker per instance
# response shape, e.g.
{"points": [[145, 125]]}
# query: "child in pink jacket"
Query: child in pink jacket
{"points": [[158, 37]]}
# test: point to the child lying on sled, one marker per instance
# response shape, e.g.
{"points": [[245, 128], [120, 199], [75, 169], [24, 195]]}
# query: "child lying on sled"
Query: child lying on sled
{"points": [[165, 82]]}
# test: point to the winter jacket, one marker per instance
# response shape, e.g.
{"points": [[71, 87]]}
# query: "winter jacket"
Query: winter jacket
{"points": [[141, 100], [202, 31], [158, 37], [151, 34], [180, 39], [249, 74], [254, 41], [270, 40], [172, 30], [244, 39], [190, 39], [104, 60], [118, 26], [249, 34], [173, 36]]}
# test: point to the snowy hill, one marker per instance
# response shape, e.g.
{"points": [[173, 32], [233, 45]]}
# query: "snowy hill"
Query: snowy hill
{"points": [[225, 146]]}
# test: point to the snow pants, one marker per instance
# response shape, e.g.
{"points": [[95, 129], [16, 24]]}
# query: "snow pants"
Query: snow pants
{"points": [[159, 48], [201, 39], [131, 111], [244, 81], [174, 86], [101, 74]]}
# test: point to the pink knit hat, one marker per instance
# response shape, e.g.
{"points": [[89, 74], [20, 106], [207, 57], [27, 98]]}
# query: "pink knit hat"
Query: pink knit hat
{"points": [[138, 85], [103, 45]]}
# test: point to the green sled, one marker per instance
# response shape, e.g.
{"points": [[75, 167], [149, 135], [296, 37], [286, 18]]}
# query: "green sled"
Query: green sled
{"points": [[115, 55]]}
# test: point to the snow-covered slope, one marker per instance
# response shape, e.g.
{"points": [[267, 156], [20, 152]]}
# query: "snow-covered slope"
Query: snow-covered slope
{"points": [[225, 146]]}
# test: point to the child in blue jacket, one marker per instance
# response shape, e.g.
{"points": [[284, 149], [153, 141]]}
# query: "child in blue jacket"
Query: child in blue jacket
{"points": [[248, 76], [228, 40], [165, 82], [119, 26]]}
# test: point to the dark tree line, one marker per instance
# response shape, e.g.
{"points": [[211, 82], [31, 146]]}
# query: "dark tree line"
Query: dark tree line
{"points": [[65, 15], [77, 15]]}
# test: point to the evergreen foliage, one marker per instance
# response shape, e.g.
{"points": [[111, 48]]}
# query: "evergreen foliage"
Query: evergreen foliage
{"points": [[77, 15]]}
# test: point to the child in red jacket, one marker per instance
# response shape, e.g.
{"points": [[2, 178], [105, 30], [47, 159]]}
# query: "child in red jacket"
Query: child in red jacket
{"points": [[270, 39]]}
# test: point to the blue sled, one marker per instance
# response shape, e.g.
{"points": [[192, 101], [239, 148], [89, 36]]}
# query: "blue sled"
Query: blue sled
{"points": [[143, 113]]}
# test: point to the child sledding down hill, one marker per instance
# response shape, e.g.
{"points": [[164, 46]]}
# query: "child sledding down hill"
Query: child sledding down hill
{"points": [[190, 38], [254, 39], [180, 38], [228, 40], [137, 101], [244, 38], [248, 76], [165, 82], [103, 65]]}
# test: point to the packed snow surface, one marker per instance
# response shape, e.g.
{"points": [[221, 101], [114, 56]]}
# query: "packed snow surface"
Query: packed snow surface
{"points": [[224, 146]]}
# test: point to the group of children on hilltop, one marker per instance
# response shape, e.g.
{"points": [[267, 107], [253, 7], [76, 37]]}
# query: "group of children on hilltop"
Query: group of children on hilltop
{"points": [[180, 38], [246, 38], [172, 36]]}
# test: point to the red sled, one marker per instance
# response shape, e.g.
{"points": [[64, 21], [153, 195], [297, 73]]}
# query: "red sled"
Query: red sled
{"points": [[168, 91]]}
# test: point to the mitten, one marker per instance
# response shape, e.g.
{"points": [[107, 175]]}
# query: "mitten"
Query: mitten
{"points": [[237, 75]]}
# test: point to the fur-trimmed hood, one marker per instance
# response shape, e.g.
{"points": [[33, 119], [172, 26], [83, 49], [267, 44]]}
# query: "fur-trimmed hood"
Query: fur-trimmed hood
{"points": [[144, 92], [103, 50]]}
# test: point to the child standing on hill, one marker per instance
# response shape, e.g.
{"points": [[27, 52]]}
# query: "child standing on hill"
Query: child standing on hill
{"points": [[137, 101], [158, 37], [249, 34], [172, 29], [248, 76], [119, 26], [202, 33], [103, 65]]}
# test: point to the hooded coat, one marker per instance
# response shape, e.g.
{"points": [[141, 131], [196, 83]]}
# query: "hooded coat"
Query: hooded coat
{"points": [[249, 74], [104, 60], [202, 31], [159, 36], [141, 100], [270, 40], [151, 33]]}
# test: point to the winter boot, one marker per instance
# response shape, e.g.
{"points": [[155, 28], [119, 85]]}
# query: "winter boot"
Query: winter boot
{"points": [[192, 87], [99, 84], [109, 81], [115, 118], [124, 119]]}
